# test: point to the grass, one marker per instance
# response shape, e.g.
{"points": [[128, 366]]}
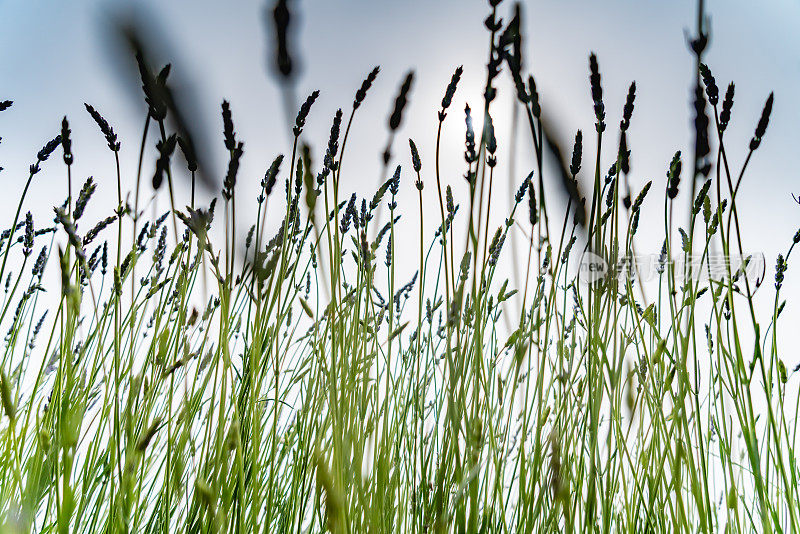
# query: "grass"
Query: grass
{"points": [[317, 389]]}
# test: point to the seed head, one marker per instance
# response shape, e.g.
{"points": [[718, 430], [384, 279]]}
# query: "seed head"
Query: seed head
{"points": [[83, 197], [415, 161], [333, 141], [533, 94], [627, 110], [637, 204], [491, 141], [711, 84], [451, 90], [451, 209], [470, 155], [38, 266], [165, 150], [701, 196], [780, 268], [48, 149], [105, 128], [281, 18], [763, 122], [300, 121], [27, 241], [577, 151], [400, 102], [350, 214], [533, 211], [99, 227], [5, 104], [233, 168], [523, 188], [227, 126], [727, 105], [394, 183], [66, 142], [597, 92], [674, 175], [271, 175], [188, 153], [298, 178], [496, 246], [624, 155], [361, 94], [702, 148]]}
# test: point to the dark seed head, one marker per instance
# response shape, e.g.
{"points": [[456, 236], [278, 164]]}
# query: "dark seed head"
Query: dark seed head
{"points": [[533, 94], [627, 111], [711, 84], [415, 161], [533, 211], [702, 148], [597, 92], [577, 151], [624, 154], [233, 168], [763, 122], [470, 155], [99, 227], [780, 268], [83, 197], [188, 154], [5, 104], [300, 121], [491, 140], [400, 102], [227, 123], [165, 149], [523, 188], [154, 88], [48, 149], [27, 241], [350, 214], [394, 183], [361, 94], [727, 105], [496, 246], [107, 131], [451, 89], [281, 18], [674, 175], [271, 175], [333, 141], [66, 141]]}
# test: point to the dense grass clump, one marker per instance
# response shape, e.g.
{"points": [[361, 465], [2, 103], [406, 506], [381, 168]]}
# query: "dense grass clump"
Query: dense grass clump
{"points": [[185, 379]]}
